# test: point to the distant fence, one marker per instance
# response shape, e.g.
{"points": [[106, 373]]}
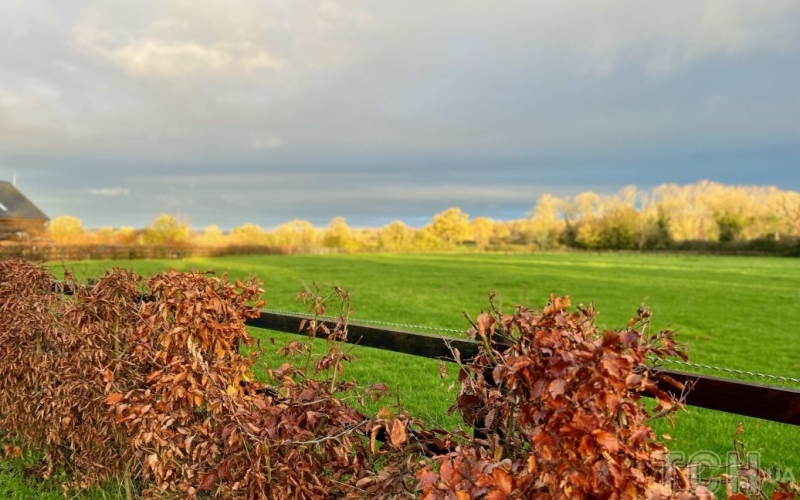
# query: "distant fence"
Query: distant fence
{"points": [[56, 253], [742, 398]]}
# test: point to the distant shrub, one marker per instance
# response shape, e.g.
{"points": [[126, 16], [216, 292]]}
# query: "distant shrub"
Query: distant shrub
{"points": [[65, 229], [340, 236], [166, 230], [248, 234], [126, 235], [212, 235], [450, 227], [297, 236], [395, 237]]}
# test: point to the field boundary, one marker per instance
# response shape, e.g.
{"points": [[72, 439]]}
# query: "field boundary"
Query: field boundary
{"points": [[100, 251], [776, 404]]}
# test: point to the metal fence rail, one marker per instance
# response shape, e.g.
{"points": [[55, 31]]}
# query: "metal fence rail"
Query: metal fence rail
{"points": [[741, 398], [777, 404]]}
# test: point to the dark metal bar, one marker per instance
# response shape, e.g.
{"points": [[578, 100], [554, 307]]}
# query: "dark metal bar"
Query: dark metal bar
{"points": [[751, 400], [777, 404], [418, 344]]}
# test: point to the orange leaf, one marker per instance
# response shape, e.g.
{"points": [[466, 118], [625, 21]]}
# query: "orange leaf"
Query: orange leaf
{"points": [[485, 324], [557, 387], [398, 434], [152, 460], [606, 440], [556, 304], [503, 480], [207, 482], [532, 464], [219, 351], [373, 437], [114, 398], [496, 495], [446, 471], [11, 451]]}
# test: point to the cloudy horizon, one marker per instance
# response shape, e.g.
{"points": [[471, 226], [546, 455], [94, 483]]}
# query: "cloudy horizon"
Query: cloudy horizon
{"points": [[268, 111]]}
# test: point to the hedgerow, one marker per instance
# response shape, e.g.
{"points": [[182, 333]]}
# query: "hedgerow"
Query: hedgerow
{"points": [[150, 382]]}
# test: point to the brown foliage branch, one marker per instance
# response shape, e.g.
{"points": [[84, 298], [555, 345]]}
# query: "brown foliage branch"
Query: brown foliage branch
{"points": [[200, 423], [143, 379], [558, 401], [59, 356]]}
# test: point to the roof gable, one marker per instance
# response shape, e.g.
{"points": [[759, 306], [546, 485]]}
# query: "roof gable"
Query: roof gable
{"points": [[14, 204]]}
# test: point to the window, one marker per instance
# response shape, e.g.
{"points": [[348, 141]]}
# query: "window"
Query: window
{"points": [[3, 208]]}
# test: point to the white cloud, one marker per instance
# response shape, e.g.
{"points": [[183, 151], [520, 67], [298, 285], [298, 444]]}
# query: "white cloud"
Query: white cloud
{"points": [[382, 77], [33, 114], [151, 57], [111, 192], [169, 59]]}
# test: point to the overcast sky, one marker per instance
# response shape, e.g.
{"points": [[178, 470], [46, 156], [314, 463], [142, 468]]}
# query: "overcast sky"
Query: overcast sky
{"points": [[232, 112]]}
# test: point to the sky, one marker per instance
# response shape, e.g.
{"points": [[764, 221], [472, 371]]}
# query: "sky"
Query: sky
{"points": [[235, 111]]}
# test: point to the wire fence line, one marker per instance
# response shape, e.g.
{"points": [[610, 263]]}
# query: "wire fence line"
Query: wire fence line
{"points": [[440, 330], [736, 371], [359, 321]]}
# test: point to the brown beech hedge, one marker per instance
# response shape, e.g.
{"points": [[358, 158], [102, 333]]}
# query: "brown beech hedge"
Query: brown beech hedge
{"points": [[144, 381]]}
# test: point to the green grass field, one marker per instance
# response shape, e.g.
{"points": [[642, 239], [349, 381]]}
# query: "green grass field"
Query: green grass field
{"points": [[742, 313]]}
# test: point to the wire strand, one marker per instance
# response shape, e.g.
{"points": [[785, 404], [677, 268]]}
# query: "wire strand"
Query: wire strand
{"points": [[438, 329], [373, 322], [733, 370]]}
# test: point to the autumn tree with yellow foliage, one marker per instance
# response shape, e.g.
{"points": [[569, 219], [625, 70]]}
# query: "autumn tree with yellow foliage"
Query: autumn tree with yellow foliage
{"points": [[340, 236], [396, 237], [703, 215], [166, 230], [450, 227], [65, 229]]}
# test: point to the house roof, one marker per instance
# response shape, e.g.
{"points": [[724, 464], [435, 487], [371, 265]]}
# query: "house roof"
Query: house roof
{"points": [[14, 204]]}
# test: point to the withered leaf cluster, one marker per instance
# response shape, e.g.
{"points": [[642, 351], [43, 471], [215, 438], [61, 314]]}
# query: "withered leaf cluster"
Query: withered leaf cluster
{"points": [[557, 403], [59, 357], [142, 379], [149, 381]]}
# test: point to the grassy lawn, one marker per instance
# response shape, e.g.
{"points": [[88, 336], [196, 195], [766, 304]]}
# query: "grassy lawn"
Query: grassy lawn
{"points": [[741, 313]]}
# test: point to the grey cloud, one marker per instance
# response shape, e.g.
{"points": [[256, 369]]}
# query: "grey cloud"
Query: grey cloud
{"points": [[372, 109]]}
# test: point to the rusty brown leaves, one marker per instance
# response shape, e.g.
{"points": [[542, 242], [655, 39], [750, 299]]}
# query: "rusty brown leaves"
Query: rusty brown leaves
{"points": [[150, 381], [557, 403]]}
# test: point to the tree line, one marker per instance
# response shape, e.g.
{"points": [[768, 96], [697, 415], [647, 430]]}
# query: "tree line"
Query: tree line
{"points": [[693, 216]]}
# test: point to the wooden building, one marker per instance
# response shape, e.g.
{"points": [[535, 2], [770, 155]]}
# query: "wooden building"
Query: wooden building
{"points": [[19, 218]]}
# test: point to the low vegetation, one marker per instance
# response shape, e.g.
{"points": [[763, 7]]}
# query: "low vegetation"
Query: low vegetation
{"points": [[184, 414], [709, 301], [705, 216]]}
